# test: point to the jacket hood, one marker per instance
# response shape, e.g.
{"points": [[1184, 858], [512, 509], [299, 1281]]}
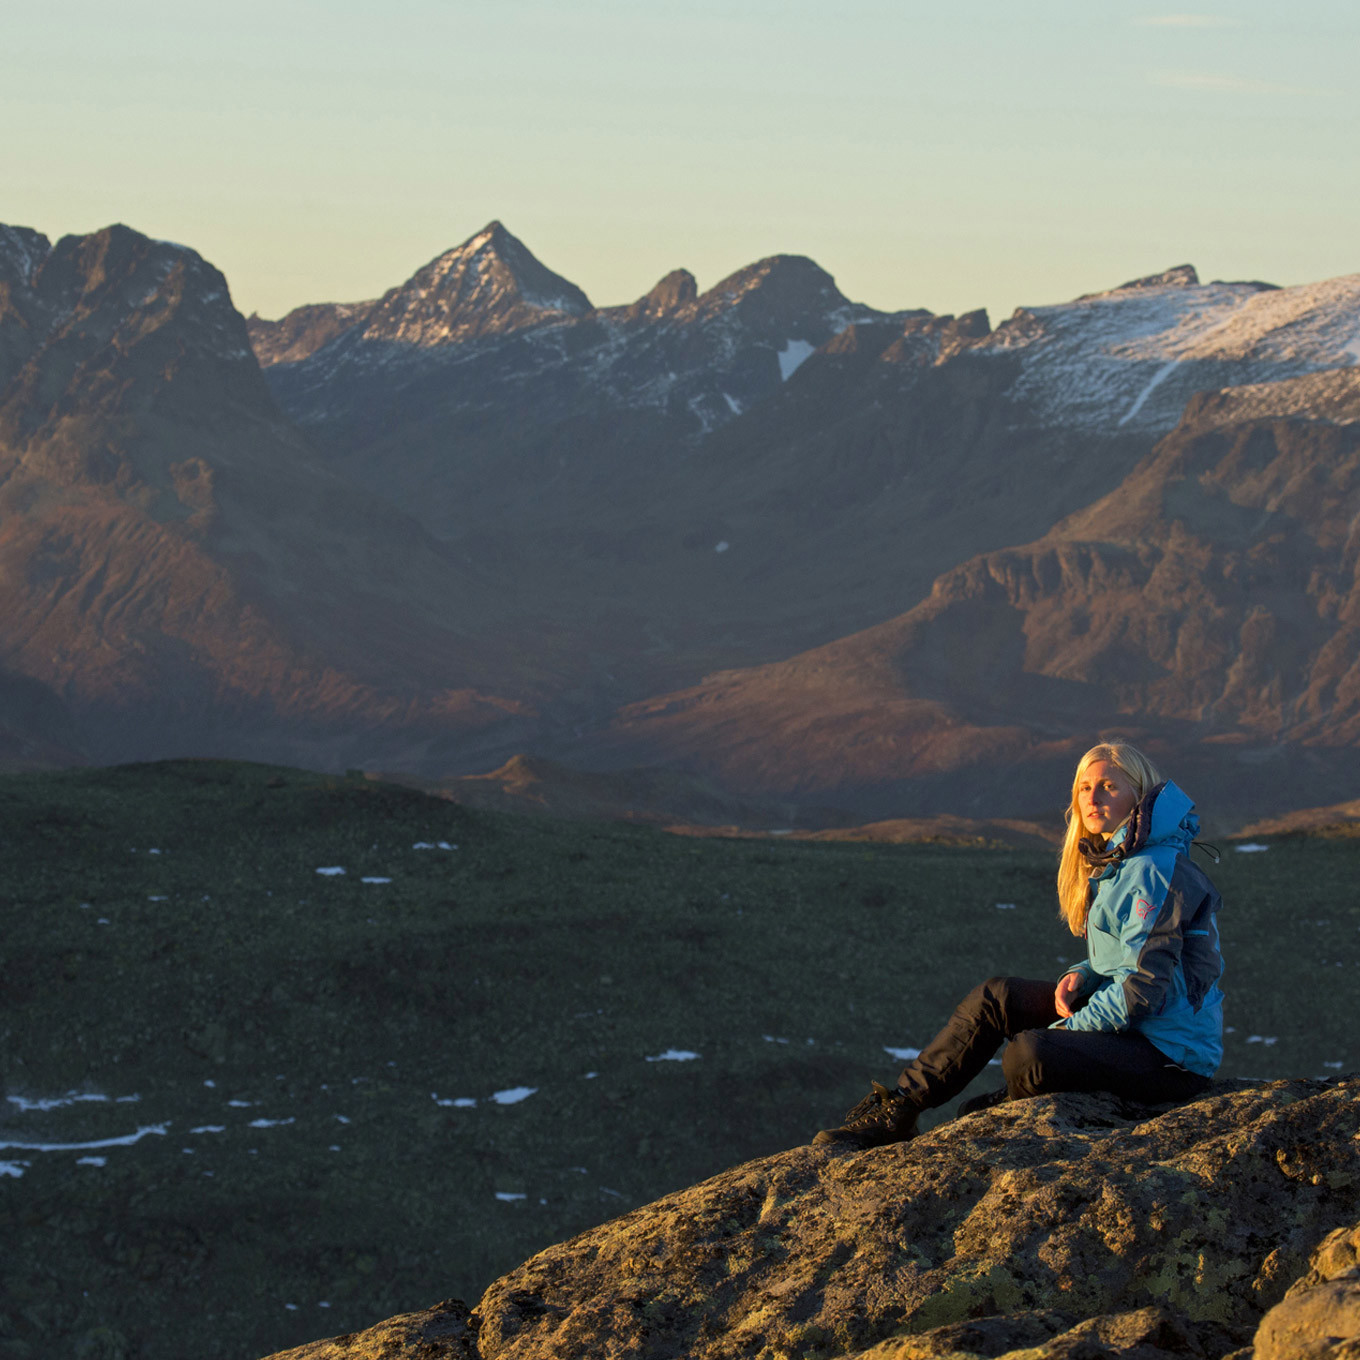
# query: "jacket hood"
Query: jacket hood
{"points": [[1172, 815], [1164, 816]]}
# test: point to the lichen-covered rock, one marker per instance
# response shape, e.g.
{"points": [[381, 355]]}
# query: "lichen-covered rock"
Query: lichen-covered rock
{"points": [[1062, 1228], [444, 1332]]}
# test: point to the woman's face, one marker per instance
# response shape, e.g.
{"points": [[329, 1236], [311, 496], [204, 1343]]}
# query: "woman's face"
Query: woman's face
{"points": [[1105, 796]]}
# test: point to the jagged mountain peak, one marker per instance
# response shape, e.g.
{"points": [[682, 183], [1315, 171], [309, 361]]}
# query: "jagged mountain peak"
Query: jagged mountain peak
{"points": [[794, 277], [490, 284], [781, 297], [130, 264], [676, 291], [492, 234], [494, 249], [1178, 276], [115, 323]]}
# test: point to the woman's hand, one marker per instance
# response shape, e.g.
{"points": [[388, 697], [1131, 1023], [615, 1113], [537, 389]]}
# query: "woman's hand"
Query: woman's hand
{"points": [[1066, 993]]}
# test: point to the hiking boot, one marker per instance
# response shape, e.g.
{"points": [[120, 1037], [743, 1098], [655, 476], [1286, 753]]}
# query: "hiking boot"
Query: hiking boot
{"points": [[883, 1116], [984, 1102]]}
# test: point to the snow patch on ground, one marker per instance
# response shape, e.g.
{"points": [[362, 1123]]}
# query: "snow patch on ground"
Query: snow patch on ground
{"points": [[902, 1054], [125, 1141], [675, 1055], [513, 1095], [70, 1098]]}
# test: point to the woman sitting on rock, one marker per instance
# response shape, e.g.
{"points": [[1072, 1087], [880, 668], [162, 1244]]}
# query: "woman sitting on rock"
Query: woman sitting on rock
{"points": [[1142, 1017]]}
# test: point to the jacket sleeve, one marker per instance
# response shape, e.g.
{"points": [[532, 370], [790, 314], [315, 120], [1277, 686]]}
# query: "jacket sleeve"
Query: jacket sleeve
{"points": [[1150, 942]]}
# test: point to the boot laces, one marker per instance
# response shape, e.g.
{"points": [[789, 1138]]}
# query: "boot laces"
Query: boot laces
{"points": [[876, 1108]]}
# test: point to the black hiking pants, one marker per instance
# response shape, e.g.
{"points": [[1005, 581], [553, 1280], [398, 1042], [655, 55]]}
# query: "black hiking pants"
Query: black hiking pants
{"points": [[1039, 1059]]}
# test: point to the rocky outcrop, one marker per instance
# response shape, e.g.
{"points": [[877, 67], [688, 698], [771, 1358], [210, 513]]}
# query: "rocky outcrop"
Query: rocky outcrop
{"points": [[1062, 1227], [1319, 1318]]}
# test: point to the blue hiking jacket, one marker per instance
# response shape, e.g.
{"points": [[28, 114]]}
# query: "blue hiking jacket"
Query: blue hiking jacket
{"points": [[1153, 959]]}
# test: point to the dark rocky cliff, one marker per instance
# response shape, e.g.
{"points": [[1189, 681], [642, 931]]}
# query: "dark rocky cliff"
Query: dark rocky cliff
{"points": [[1068, 1226]]}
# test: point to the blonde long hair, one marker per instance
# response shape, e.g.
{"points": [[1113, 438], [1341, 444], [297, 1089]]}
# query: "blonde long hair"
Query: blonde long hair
{"points": [[1073, 873]]}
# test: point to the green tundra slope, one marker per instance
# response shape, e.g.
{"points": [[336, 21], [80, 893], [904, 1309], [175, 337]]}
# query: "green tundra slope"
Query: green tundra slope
{"points": [[250, 1103]]}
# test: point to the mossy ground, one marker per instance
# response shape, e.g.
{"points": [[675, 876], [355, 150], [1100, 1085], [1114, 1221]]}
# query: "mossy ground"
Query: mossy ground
{"points": [[290, 1034]]}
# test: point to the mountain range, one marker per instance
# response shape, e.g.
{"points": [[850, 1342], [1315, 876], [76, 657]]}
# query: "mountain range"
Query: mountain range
{"points": [[802, 550]]}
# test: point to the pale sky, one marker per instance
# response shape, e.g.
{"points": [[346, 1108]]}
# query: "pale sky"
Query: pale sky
{"points": [[944, 155]]}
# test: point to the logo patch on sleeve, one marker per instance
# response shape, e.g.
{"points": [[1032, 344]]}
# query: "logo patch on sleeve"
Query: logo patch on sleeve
{"points": [[1143, 908]]}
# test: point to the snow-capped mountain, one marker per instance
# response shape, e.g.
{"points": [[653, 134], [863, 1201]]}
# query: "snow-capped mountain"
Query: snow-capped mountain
{"points": [[490, 285], [1132, 357]]}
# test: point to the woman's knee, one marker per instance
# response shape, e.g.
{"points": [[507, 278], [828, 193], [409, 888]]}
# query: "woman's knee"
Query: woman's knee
{"points": [[1022, 1064], [1011, 1004]]}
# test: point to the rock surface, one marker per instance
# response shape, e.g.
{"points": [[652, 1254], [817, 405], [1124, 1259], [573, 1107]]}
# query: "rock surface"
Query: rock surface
{"points": [[1067, 1226], [1319, 1318]]}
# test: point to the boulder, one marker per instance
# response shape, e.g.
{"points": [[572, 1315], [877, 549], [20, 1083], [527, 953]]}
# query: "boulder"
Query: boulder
{"points": [[1067, 1227], [1319, 1318]]}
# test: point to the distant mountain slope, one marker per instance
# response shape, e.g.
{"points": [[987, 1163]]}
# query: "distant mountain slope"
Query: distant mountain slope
{"points": [[174, 564], [479, 516], [1209, 603]]}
